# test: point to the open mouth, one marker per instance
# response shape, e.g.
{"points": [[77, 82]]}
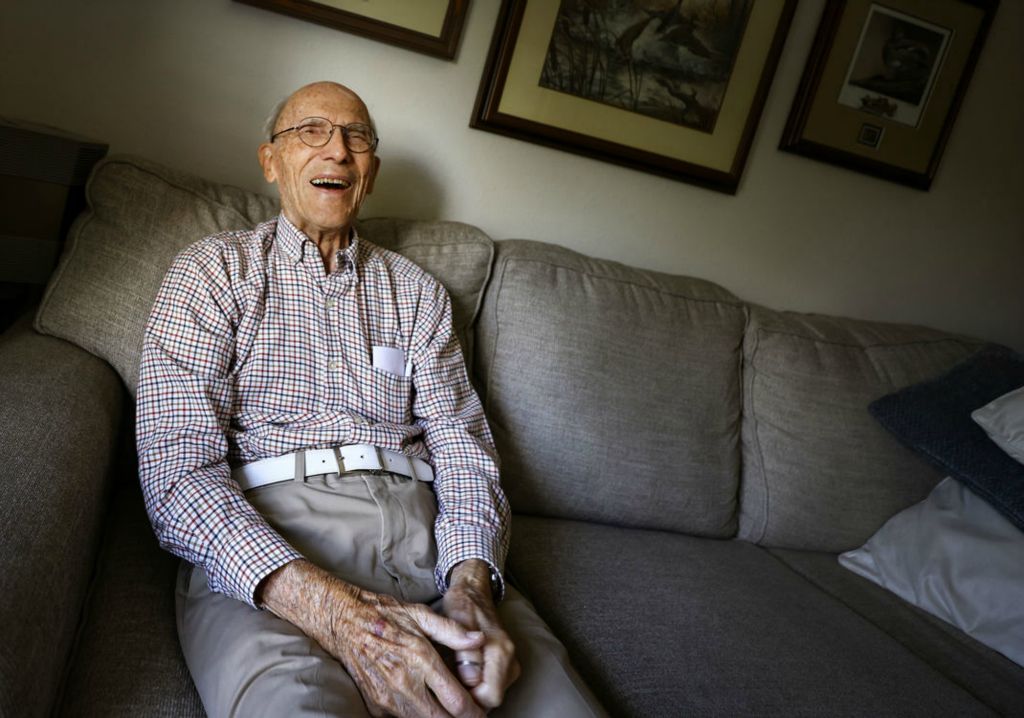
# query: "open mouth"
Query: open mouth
{"points": [[330, 183]]}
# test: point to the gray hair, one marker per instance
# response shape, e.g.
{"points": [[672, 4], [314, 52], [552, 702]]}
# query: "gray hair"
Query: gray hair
{"points": [[275, 115]]}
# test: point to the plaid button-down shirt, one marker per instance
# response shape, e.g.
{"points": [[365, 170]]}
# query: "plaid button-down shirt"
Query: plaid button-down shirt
{"points": [[252, 350]]}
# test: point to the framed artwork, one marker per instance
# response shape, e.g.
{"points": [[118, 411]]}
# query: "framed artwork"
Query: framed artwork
{"points": [[674, 88], [432, 27], [884, 82]]}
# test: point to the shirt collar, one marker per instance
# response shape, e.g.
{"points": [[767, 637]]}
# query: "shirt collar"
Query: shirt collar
{"points": [[295, 244]]}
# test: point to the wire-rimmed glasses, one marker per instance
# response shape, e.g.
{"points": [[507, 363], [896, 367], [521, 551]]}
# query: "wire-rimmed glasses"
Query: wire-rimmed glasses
{"points": [[318, 131]]}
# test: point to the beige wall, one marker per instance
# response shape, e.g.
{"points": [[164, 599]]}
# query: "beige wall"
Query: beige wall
{"points": [[187, 82]]}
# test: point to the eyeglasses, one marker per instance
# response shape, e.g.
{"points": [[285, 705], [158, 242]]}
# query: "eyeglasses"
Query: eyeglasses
{"points": [[318, 131]]}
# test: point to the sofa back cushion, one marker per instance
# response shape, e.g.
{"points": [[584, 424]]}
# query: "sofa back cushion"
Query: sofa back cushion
{"points": [[141, 214], [458, 255], [819, 473], [613, 392]]}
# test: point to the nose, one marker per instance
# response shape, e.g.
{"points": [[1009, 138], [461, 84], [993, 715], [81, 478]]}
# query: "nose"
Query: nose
{"points": [[336, 146]]}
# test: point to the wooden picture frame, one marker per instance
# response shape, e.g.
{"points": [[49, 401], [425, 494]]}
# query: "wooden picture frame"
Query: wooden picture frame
{"points": [[432, 27], [522, 93], [884, 82]]}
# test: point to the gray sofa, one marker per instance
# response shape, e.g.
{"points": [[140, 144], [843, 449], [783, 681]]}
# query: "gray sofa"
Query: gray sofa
{"points": [[683, 467]]}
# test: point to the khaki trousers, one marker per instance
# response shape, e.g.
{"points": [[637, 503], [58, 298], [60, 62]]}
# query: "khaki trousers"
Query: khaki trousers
{"points": [[373, 530]]}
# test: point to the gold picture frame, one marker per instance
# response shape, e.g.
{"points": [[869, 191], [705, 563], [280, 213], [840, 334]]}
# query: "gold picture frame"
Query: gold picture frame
{"points": [[515, 101], [884, 82], [432, 27]]}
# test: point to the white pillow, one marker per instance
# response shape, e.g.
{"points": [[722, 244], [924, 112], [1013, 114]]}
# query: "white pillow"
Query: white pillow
{"points": [[959, 559], [1003, 421]]}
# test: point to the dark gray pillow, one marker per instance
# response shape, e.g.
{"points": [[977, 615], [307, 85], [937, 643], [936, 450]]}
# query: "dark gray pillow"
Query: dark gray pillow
{"points": [[934, 419]]}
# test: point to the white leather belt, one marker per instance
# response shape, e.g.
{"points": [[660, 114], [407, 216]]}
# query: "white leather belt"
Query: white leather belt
{"points": [[353, 457]]}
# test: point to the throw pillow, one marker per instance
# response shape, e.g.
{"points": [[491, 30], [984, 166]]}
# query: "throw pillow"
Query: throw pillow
{"points": [[934, 419], [957, 558], [1003, 421]]}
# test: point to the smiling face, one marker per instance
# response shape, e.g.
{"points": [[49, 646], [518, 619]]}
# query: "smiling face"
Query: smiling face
{"points": [[321, 188]]}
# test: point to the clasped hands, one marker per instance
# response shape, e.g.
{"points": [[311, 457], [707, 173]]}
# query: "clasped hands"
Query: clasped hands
{"points": [[387, 646]]}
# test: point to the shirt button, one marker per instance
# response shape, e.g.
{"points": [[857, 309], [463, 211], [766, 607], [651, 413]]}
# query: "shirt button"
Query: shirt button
{"points": [[331, 303], [333, 364]]}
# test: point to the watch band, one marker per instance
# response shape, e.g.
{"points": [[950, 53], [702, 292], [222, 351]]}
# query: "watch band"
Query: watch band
{"points": [[496, 584], [496, 581]]}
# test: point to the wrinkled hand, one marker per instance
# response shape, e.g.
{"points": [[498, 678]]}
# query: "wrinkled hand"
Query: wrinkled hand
{"points": [[490, 669], [384, 644]]}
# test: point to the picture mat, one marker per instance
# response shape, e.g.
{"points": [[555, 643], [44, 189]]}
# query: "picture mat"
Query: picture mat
{"points": [[425, 16], [907, 113], [835, 125], [523, 97]]}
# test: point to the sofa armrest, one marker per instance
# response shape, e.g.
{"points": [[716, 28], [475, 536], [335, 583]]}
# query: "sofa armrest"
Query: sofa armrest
{"points": [[58, 428]]}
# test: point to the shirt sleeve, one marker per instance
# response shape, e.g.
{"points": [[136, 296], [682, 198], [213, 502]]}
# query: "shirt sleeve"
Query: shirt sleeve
{"points": [[183, 412], [473, 513]]}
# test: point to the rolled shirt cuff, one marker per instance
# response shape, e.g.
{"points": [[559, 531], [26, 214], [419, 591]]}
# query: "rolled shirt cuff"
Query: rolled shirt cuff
{"points": [[464, 545]]}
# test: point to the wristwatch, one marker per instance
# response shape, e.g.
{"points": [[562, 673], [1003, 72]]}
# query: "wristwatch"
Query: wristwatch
{"points": [[496, 583], [495, 577]]}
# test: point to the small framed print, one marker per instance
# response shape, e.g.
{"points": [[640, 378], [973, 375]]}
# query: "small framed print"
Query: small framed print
{"points": [[894, 66], [884, 82], [432, 27], [870, 135]]}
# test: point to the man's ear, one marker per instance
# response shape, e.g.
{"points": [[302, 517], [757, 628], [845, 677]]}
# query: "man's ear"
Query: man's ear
{"points": [[373, 175], [265, 154]]}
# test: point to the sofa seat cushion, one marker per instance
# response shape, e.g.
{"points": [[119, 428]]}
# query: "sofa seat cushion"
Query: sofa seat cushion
{"points": [[661, 624], [819, 473], [142, 214], [990, 676], [127, 662], [613, 392]]}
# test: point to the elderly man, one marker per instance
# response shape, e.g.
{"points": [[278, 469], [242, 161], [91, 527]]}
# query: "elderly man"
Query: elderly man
{"points": [[310, 445]]}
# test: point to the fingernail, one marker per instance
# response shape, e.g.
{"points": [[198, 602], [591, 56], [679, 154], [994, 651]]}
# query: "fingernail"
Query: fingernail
{"points": [[474, 635], [470, 674]]}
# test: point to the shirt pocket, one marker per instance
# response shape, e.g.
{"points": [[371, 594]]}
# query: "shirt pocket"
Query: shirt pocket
{"points": [[386, 397]]}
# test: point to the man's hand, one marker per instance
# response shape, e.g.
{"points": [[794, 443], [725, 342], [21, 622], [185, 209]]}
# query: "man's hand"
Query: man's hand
{"points": [[384, 644], [490, 669]]}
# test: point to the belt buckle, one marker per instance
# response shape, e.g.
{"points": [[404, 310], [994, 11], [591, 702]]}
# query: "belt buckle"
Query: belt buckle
{"points": [[366, 461], [380, 460]]}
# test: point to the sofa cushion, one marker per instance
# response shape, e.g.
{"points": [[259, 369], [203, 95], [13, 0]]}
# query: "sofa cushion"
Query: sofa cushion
{"points": [[613, 392], [661, 624], [127, 662], [991, 677], [61, 408], [819, 473], [459, 255], [142, 214]]}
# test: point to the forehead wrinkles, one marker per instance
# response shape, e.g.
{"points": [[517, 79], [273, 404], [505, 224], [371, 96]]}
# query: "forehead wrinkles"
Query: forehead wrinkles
{"points": [[332, 104]]}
